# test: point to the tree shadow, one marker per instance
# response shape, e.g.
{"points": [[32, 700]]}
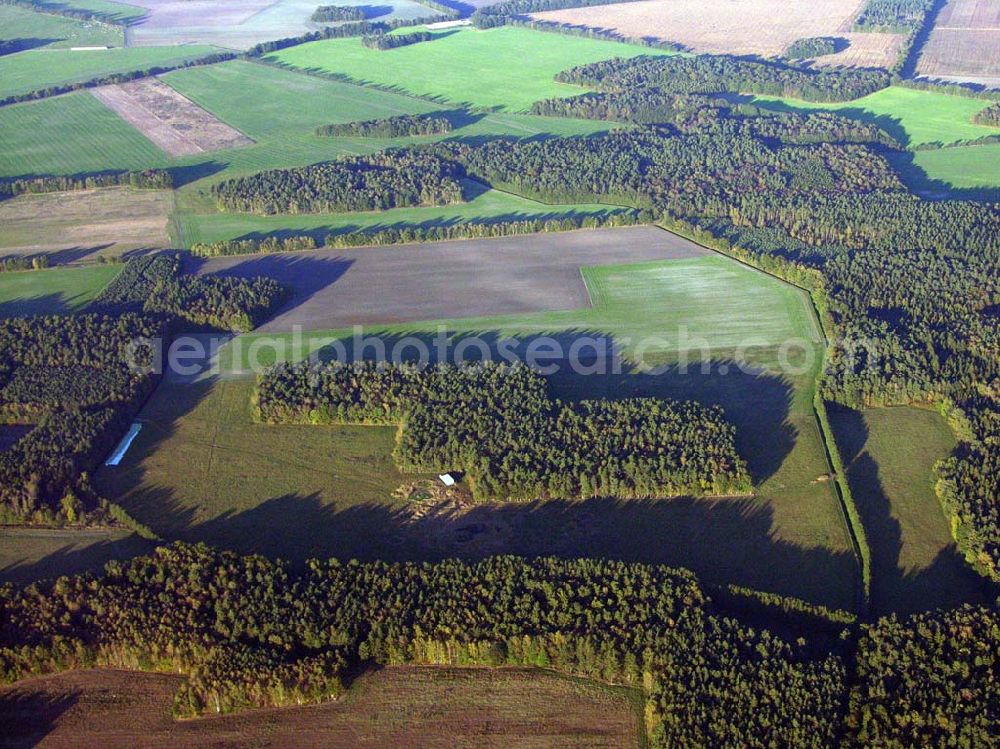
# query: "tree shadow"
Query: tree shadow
{"points": [[29, 716], [945, 582], [72, 559], [44, 304], [918, 181], [10, 46]]}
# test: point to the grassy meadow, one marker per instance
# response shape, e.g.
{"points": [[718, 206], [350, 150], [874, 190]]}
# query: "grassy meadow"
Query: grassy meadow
{"points": [[53, 291], [890, 454], [507, 68], [31, 554], [42, 68], [41, 30]]}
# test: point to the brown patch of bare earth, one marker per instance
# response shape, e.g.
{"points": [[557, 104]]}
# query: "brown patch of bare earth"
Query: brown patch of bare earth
{"points": [[173, 122], [108, 220], [412, 707], [965, 43], [739, 27]]}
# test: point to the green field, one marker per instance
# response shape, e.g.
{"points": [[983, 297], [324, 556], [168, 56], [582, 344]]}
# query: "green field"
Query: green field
{"points": [[202, 471], [484, 206], [507, 68], [913, 116], [42, 68], [890, 453], [962, 167], [113, 11], [53, 291], [37, 30], [30, 554]]}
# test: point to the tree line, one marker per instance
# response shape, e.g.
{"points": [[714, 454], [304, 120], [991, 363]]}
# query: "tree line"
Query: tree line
{"points": [[400, 126], [152, 179], [392, 41], [391, 179], [252, 632], [501, 13], [498, 425], [328, 13]]}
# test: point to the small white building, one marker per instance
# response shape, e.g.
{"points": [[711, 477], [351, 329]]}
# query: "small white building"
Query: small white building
{"points": [[447, 479]]}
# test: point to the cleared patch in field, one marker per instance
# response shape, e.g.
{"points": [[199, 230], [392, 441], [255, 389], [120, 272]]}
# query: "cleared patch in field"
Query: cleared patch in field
{"points": [[419, 707], [890, 454], [41, 68], [240, 24], [84, 224], [31, 554], [56, 291], [31, 30], [507, 68], [468, 278], [964, 44], [174, 123], [739, 27]]}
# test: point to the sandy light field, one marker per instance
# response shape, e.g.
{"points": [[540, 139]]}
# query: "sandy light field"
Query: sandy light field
{"points": [[177, 125], [740, 27], [965, 43]]}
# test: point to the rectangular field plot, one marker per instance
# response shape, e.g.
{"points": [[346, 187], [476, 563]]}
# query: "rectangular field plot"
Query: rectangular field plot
{"points": [[418, 707], [56, 291], [83, 224], [174, 123], [468, 278], [31, 554], [964, 44], [42, 68], [24, 29], [890, 454], [508, 68], [239, 24], [739, 27]]}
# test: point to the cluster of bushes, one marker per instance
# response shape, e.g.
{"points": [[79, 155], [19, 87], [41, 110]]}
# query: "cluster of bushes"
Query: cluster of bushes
{"points": [[499, 426], [711, 74], [78, 381], [392, 41], [251, 632], [989, 116], [331, 13], [813, 46], [153, 179], [19, 263], [155, 285], [400, 126], [893, 16], [113, 78], [391, 179]]}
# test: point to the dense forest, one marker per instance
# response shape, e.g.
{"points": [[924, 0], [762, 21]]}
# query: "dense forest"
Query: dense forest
{"points": [[400, 126], [897, 16], [500, 13], [391, 179], [712, 74], [248, 632], [499, 426], [332, 13]]}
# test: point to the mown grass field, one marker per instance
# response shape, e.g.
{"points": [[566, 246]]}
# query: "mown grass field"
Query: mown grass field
{"points": [[913, 116], [962, 167], [113, 11], [38, 69], [38, 30], [507, 68], [52, 291], [31, 554], [202, 471], [890, 454]]}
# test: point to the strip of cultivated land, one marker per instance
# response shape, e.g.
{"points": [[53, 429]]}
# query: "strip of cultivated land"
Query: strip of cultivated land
{"points": [[964, 44], [174, 123], [81, 225], [468, 278], [419, 707], [739, 27]]}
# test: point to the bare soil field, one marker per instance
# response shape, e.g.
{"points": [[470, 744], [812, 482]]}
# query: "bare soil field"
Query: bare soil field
{"points": [[82, 224], [965, 43], [740, 27], [400, 706], [467, 278], [177, 125]]}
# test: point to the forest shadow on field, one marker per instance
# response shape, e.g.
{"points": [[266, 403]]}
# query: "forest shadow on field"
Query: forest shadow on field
{"points": [[29, 716], [918, 181], [72, 559], [944, 583], [44, 304], [22, 44]]}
